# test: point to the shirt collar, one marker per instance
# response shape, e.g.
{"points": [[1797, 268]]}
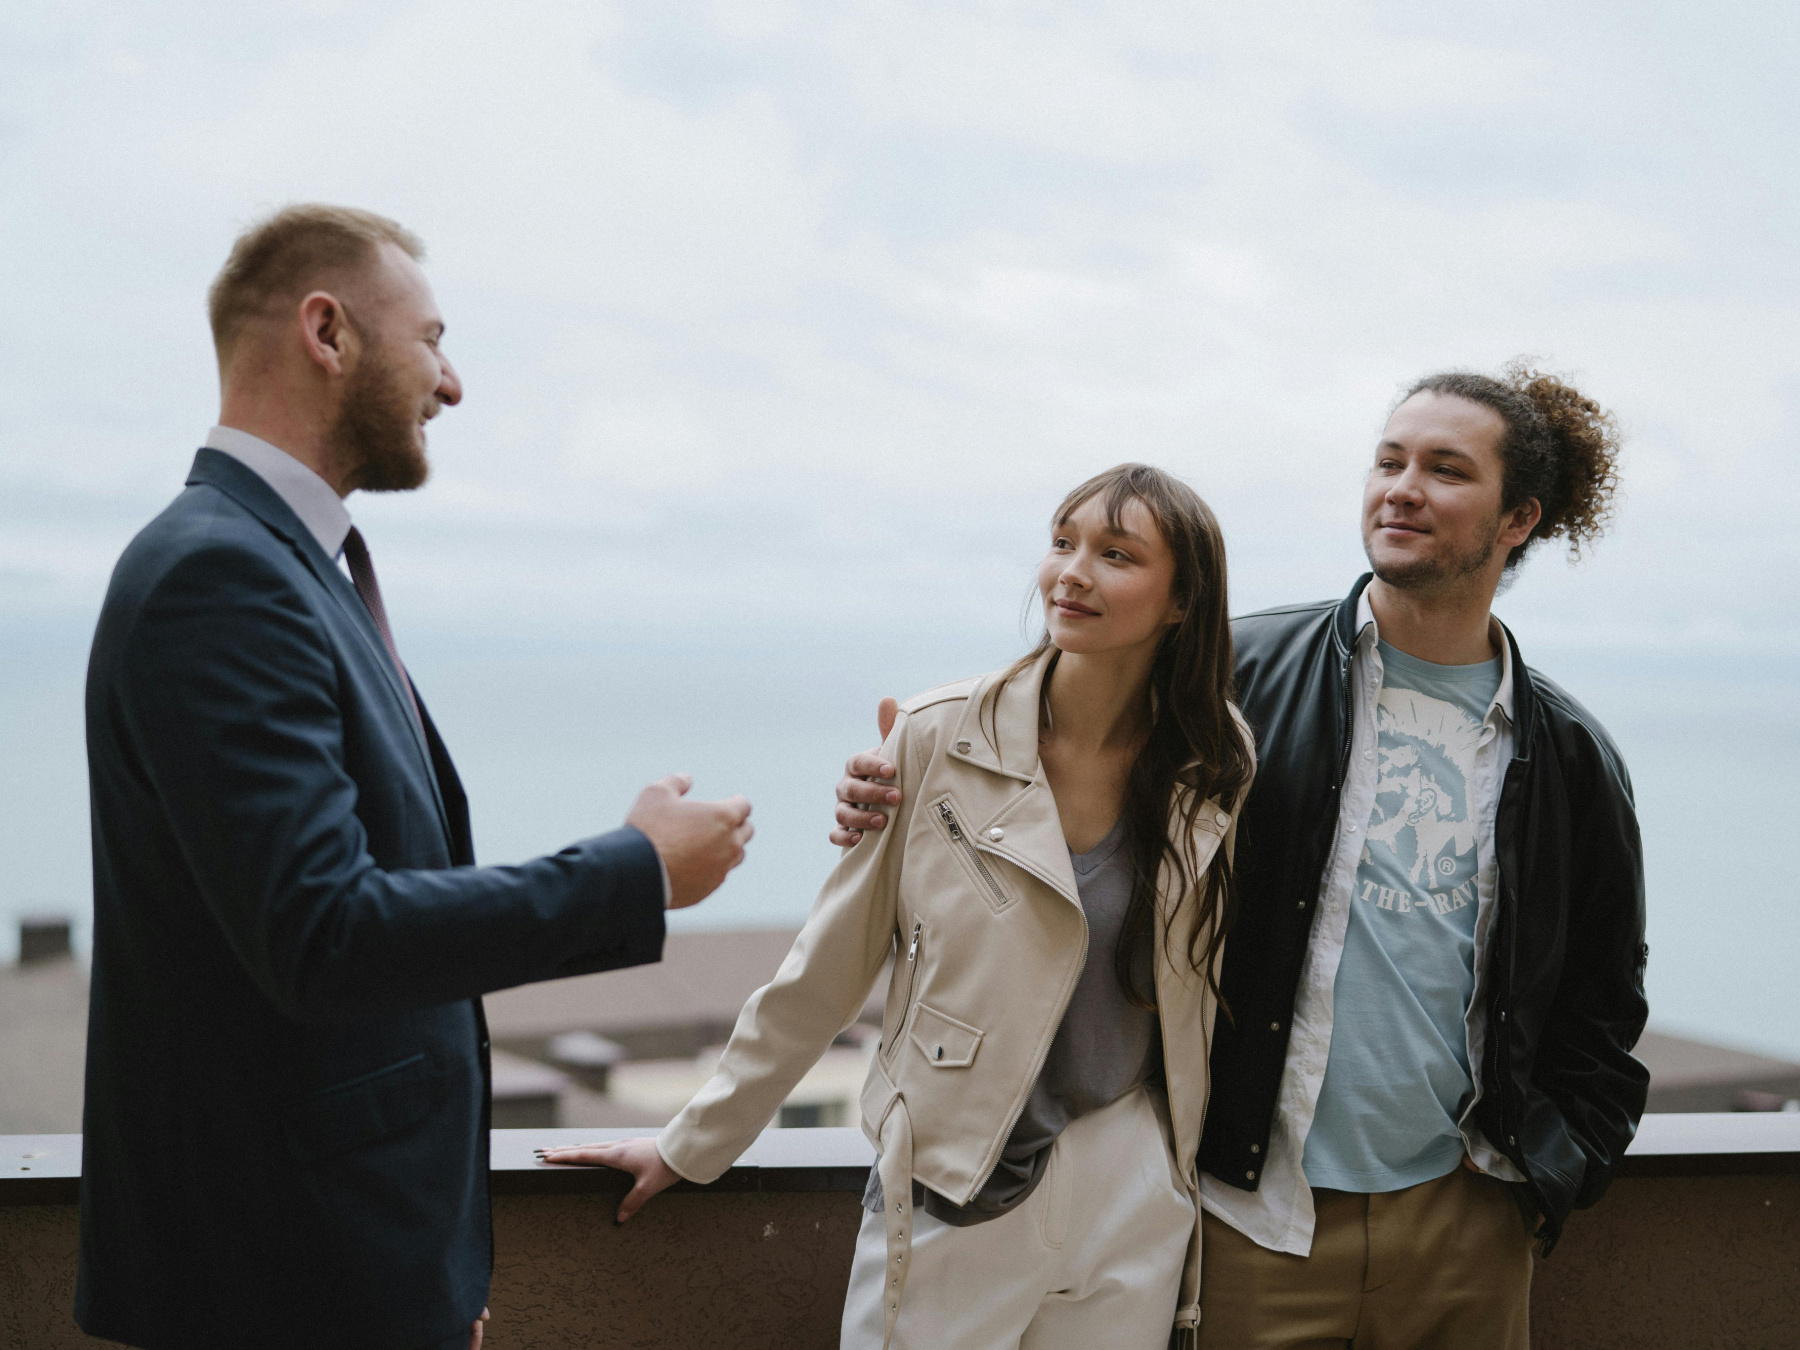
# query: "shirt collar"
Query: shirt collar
{"points": [[1368, 633], [307, 495]]}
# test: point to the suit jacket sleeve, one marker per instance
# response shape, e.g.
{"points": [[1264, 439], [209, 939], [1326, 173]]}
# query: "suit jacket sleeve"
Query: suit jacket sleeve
{"points": [[228, 699]]}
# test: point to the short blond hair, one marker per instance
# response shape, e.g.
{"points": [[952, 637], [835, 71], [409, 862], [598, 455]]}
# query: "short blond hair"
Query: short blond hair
{"points": [[278, 260]]}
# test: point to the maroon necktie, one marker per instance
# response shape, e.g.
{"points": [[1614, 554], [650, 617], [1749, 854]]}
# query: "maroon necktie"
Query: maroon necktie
{"points": [[362, 576]]}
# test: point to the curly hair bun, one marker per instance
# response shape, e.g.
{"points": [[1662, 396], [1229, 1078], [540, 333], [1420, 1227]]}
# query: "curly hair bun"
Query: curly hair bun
{"points": [[1583, 460], [1561, 447]]}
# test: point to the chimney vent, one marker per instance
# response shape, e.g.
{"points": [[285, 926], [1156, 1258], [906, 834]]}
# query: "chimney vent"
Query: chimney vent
{"points": [[43, 938]]}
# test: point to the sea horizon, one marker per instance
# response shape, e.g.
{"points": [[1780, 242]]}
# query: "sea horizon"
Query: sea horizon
{"points": [[554, 736]]}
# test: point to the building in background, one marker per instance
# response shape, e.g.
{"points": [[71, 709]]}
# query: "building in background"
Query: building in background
{"points": [[43, 1033], [628, 1048]]}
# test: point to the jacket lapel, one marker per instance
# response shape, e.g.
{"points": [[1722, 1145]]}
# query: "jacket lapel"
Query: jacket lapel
{"points": [[998, 732], [215, 468]]}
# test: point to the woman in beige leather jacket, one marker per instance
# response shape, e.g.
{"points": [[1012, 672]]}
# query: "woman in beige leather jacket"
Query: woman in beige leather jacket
{"points": [[1054, 890]]}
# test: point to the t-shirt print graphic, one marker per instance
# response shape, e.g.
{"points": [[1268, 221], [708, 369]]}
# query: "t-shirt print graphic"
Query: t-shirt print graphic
{"points": [[1421, 820]]}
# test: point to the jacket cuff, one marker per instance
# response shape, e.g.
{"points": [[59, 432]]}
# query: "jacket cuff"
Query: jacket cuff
{"points": [[668, 1143], [625, 889]]}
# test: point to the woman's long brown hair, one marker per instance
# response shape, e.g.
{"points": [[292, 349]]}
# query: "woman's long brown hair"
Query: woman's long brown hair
{"points": [[1191, 728]]}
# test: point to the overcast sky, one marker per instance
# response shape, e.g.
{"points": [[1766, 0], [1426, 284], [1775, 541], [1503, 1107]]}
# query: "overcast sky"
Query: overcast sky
{"points": [[783, 314], [782, 324]]}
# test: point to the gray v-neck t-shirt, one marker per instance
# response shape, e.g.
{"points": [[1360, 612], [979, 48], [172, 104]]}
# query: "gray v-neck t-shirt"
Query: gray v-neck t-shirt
{"points": [[1105, 1047]]}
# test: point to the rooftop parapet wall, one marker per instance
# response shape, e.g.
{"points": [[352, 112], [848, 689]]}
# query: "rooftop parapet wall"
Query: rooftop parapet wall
{"points": [[1698, 1243]]}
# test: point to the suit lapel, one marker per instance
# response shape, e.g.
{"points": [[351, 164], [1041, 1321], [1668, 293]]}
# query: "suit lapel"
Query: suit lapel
{"points": [[243, 485], [450, 789]]}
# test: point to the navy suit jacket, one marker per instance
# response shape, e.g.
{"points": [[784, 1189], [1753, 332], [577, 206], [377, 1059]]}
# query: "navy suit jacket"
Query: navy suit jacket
{"points": [[287, 1073]]}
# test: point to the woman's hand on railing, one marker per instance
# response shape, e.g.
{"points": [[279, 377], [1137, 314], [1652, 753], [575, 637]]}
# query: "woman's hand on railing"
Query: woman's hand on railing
{"points": [[640, 1157]]}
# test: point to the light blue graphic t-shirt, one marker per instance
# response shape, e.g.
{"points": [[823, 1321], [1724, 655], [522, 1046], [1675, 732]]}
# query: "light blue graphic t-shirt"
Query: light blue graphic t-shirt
{"points": [[1398, 1070]]}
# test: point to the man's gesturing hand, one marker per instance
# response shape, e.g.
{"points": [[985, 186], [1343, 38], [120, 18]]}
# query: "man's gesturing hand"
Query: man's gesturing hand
{"points": [[649, 1173], [699, 842], [867, 783]]}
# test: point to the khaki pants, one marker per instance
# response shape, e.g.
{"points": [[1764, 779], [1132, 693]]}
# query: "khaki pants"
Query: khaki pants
{"points": [[1444, 1265], [1092, 1258]]}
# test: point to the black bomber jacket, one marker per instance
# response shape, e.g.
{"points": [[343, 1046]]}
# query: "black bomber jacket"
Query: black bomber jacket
{"points": [[1561, 1093]]}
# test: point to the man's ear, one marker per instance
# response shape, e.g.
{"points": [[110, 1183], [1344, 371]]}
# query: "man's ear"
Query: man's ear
{"points": [[325, 331], [1521, 521]]}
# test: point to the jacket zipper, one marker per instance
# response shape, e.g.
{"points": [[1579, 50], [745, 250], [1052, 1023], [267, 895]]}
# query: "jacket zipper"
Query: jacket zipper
{"points": [[912, 980], [973, 854]]}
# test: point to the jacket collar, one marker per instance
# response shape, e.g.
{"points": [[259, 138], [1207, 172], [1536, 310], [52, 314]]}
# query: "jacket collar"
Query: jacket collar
{"points": [[1524, 697], [1344, 629], [998, 729], [241, 483], [1343, 622], [1006, 740]]}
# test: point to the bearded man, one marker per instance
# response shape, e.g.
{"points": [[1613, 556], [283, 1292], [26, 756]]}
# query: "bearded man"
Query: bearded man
{"points": [[285, 1134], [1435, 972]]}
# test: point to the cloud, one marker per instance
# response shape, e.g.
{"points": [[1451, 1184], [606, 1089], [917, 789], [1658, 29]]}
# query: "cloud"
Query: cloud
{"points": [[761, 307]]}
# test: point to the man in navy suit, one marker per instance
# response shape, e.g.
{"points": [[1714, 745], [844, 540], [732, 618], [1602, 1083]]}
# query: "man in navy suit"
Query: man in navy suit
{"points": [[287, 1075]]}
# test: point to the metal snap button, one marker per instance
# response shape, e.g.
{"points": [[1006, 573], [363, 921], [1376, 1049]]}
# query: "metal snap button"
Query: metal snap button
{"points": [[962, 747], [940, 1053], [1222, 819], [996, 834]]}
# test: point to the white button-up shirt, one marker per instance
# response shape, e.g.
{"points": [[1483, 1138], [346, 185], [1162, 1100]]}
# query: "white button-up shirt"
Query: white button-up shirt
{"points": [[1279, 1213]]}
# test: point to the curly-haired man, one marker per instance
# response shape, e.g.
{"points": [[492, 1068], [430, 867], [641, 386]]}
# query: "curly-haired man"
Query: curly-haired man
{"points": [[1435, 973]]}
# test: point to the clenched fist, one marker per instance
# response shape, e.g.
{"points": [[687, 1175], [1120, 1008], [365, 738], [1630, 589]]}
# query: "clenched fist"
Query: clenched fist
{"points": [[699, 842]]}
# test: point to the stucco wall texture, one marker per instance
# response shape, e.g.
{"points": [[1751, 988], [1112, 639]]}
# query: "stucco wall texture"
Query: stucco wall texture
{"points": [[1673, 1263]]}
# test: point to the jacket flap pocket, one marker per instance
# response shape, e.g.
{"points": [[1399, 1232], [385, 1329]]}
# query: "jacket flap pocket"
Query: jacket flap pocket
{"points": [[945, 1042], [348, 1116]]}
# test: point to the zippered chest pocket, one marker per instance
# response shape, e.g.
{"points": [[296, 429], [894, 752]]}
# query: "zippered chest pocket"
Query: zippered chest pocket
{"points": [[987, 880]]}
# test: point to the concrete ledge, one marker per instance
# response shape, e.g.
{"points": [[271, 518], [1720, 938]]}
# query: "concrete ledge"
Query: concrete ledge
{"points": [[1697, 1244], [780, 1162], [45, 1169], [1715, 1144]]}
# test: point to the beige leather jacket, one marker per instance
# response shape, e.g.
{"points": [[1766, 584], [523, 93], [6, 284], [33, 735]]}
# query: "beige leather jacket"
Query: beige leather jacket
{"points": [[971, 889]]}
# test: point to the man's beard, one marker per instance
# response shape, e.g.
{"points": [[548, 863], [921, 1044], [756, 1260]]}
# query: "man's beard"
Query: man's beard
{"points": [[1440, 572], [375, 430]]}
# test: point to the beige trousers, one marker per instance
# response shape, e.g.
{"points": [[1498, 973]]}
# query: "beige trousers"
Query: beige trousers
{"points": [[1092, 1258], [1444, 1265]]}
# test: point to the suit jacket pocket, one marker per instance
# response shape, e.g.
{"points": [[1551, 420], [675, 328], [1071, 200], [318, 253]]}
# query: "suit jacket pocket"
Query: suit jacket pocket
{"points": [[376, 1106]]}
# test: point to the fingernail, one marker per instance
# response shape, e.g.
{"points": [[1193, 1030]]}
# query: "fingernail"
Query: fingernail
{"points": [[893, 798], [887, 770], [878, 820]]}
